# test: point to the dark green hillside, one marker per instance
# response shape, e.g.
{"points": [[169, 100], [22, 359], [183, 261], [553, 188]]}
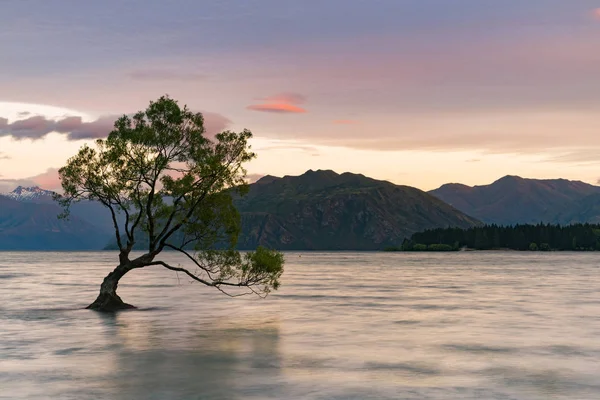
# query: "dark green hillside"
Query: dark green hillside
{"points": [[323, 210]]}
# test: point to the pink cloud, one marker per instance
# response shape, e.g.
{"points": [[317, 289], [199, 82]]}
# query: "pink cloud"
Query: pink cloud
{"points": [[596, 14], [281, 108], [286, 97], [48, 180], [283, 103], [215, 123]]}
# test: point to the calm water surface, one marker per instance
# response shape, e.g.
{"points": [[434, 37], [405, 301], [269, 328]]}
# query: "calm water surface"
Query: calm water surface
{"points": [[343, 326]]}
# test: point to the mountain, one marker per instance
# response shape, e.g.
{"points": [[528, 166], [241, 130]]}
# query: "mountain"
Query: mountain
{"points": [[90, 211], [26, 225], [583, 210], [32, 194], [512, 200], [323, 210]]}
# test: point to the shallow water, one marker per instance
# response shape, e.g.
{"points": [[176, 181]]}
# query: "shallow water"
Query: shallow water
{"points": [[489, 325]]}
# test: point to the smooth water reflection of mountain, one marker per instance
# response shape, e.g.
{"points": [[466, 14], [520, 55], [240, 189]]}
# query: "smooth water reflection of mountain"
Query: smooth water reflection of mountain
{"points": [[497, 325]]}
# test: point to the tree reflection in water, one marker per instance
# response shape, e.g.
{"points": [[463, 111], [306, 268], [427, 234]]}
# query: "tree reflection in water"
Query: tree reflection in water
{"points": [[218, 359]]}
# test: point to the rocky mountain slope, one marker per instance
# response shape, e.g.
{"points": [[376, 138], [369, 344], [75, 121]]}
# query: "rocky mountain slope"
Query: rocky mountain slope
{"points": [[512, 200], [323, 210], [33, 194]]}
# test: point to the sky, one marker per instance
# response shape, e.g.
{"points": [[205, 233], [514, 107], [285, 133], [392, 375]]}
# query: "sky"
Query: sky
{"points": [[417, 92]]}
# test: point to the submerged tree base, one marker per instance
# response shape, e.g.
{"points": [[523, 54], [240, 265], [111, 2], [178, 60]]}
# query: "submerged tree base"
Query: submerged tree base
{"points": [[109, 303]]}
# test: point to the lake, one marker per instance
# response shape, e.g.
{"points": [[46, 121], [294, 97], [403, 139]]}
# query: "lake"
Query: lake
{"points": [[470, 325]]}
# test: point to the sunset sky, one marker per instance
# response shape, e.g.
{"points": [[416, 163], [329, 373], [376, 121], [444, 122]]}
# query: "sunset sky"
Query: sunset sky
{"points": [[418, 92]]}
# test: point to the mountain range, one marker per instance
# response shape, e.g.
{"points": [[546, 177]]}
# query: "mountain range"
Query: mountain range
{"points": [[29, 221], [515, 200], [320, 210], [29, 225]]}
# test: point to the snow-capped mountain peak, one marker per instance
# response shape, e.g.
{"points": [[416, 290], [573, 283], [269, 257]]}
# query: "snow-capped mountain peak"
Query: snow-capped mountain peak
{"points": [[31, 193]]}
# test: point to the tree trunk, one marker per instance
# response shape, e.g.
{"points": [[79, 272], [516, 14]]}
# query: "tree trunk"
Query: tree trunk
{"points": [[108, 300]]}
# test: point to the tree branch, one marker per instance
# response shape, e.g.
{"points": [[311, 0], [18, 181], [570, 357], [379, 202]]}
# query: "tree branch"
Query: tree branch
{"points": [[215, 284], [185, 271], [192, 259], [199, 200]]}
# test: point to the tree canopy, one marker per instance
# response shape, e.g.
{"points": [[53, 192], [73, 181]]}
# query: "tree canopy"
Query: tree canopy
{"points": [[165, 180], [542, 237]]}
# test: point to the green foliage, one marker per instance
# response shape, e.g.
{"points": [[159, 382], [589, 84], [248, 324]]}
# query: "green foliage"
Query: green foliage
{"points": [[265, 266], [392, 248], [533, 247], [409, 246], [580, 237], [440, 247], [174, 186]]}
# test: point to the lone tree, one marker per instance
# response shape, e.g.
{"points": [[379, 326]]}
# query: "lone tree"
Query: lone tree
{"points": [[169, 186]]}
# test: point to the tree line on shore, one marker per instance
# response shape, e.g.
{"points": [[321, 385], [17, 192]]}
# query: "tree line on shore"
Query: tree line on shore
{"points": [[540, 237]]}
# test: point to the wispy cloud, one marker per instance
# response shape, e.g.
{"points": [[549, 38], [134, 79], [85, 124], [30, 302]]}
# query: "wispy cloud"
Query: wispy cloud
{"points": [[584, 156], [309, 149], [277, 108], [283, 103], [4, 156]]}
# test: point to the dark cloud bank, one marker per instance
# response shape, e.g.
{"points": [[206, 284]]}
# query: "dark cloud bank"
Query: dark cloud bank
{"points": [[75, 128]]}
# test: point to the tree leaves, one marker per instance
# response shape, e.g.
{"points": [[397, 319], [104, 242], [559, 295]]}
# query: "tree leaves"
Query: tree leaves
{"points": [[169, 180]]}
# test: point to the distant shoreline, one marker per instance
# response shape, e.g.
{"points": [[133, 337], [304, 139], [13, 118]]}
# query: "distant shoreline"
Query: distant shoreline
{"points": [[469, 250]]}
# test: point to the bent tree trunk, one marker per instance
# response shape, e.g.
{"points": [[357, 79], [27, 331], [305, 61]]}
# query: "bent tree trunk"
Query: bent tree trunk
{"points": [[108, 300]]}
